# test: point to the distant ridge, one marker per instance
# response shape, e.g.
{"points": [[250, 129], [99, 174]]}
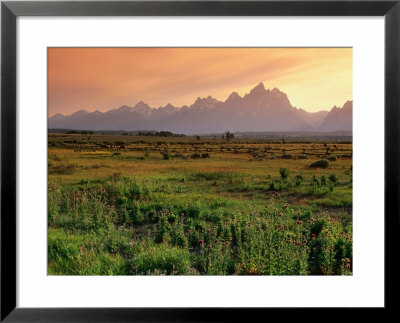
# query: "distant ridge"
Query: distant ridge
{"points": [[261, 110]]}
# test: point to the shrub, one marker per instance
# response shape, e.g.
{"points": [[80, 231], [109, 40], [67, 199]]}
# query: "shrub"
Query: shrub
{"points": [[206, 155], [298, 180], [315, 181], [322, 163], [165, 155], [333, 178], [284, 172], [332, 157], [323, 180], [195, 156]]}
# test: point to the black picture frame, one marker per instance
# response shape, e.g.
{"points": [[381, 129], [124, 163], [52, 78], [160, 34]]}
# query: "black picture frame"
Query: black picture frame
{"points": [[11, 10]]}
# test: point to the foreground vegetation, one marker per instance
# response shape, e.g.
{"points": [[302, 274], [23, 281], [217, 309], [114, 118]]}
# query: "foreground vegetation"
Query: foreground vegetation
{"points": [[124, 205]]}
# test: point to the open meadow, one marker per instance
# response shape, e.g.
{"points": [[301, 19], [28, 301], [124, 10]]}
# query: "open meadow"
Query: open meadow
{"points": [[155, 205]]}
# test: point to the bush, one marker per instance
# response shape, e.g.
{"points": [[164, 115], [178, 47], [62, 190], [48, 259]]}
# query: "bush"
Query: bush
{"points": [[333, 178], [284, 172], [332, 157], [315, 181], [323, 180], [322, 163], [165, 155], [298, 180], [195, 156], [206, 155]]}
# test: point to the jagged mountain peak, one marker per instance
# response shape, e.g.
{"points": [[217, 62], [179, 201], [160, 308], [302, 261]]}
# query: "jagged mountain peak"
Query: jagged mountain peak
{"points": [[260, 110], [168, 107], [208, 102], [80, 113], [258, 89], [234, 96], [348, 104], [339, 118], [141, 104], [58, 115], [124, 108]]}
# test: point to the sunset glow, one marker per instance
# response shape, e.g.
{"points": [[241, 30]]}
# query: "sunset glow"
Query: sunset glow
{"points": [[106, 78]]}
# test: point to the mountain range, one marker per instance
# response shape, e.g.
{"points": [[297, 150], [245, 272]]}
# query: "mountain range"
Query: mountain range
{"points": [[260, 110]]}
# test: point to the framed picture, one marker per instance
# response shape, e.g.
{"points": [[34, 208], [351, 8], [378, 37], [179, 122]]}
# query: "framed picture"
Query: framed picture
{"points": [[178, 160]]}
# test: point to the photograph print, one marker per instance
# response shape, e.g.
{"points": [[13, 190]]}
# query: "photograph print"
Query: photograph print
{"points": [[200, 161]]}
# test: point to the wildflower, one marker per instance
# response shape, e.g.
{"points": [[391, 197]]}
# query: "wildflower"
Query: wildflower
{"points": [[299, 222], [280, 214], [298, 213], [314, 235], [201, 241], [276, 194], [347, 266]]}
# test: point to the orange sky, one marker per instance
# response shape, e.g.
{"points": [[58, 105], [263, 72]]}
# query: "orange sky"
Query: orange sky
{"points": [[106, 78]]}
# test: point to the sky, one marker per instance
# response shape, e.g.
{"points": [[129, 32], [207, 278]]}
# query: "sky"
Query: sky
{"points": [[102, 79]]}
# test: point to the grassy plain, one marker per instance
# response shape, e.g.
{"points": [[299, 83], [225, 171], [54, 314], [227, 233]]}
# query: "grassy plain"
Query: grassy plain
{"points": [[128, 205]]}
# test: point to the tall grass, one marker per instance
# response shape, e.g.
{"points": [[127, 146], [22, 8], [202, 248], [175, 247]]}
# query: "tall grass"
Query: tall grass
{"points": [[117, 227]]}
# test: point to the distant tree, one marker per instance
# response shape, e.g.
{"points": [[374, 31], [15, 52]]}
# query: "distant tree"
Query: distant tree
{"points": [[229, 135], [197, 137]]}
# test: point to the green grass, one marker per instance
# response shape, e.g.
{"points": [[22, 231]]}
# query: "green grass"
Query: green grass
{"points": [[131, 213]]}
